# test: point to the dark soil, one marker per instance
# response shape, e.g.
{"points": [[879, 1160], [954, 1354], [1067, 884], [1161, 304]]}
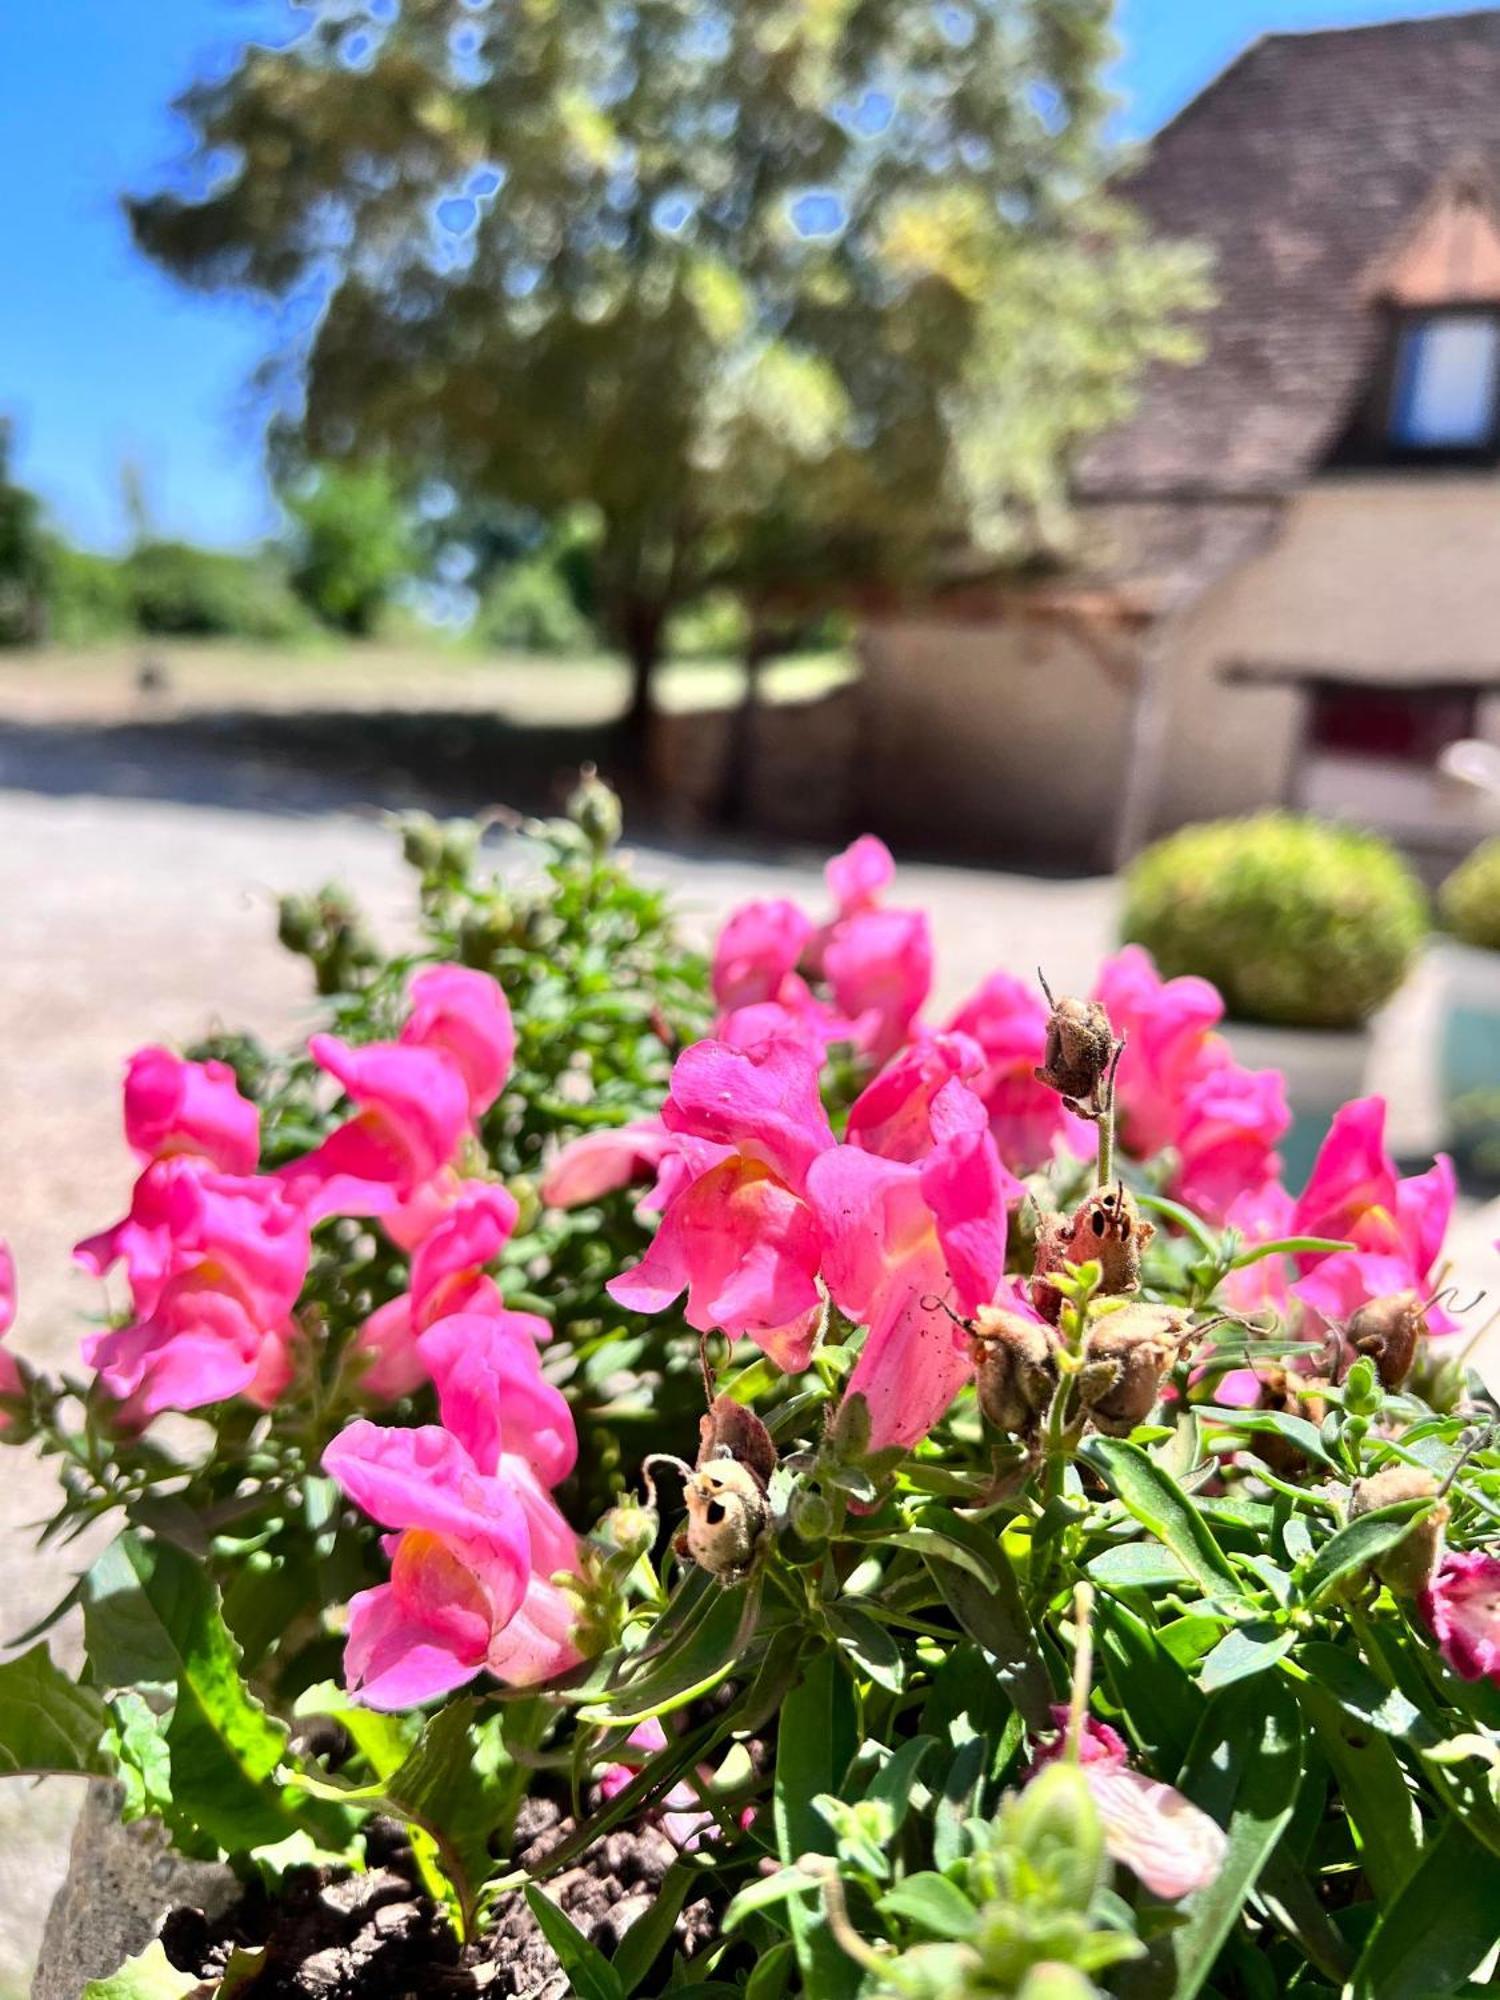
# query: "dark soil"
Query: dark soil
{"points": [[333, 1934]]}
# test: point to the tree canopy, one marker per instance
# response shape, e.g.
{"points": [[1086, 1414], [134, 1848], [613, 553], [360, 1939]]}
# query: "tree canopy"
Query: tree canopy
{"points": [[784, 291]]}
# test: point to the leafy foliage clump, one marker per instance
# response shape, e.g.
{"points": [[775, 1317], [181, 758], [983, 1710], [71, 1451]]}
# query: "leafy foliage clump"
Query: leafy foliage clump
{"points": [[1296, 922], [1469, 900]]}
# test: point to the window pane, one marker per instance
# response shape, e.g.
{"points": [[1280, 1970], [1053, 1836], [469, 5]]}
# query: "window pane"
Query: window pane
{"points": [[1445, 391]]}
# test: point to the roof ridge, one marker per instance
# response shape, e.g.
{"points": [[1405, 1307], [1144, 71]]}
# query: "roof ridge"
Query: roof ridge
{"points": [[1346, 28]]}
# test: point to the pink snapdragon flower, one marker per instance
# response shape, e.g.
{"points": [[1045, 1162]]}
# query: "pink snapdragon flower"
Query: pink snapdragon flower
{"points": [[10, 1373], [447, 1276], [860, 876], [1226, 1145], [892, 1115], [737, 1233], [681, 1813], [909, 1243], [1261, 1215], [1462, 1607], [176, 1112], [598, 1163], [758, 952], [412, 1111], [478, 1542], [878, 964], [174, 1107], [464, 1015], [1008, 1019], [1149, 1827], [213, 1317]]}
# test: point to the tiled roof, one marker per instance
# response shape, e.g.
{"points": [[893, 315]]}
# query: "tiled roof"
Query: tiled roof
{"points": [[1308, 162]]}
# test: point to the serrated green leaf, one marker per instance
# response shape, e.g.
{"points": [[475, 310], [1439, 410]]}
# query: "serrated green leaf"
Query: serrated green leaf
{"points": [[591, 1974], [47, 1722], [1159, 1503], [150, 1975]]}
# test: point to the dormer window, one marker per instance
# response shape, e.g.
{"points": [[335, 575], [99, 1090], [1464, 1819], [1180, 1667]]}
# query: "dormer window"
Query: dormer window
{"points": [[1446, 383]]}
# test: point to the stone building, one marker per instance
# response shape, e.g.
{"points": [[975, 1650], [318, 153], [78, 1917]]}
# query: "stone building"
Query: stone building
{"points": [[1289, 588]]}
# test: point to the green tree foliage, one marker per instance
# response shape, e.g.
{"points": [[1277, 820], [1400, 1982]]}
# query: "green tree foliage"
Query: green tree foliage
{"points": [[743, 279], [23, 556], [352, 544]]}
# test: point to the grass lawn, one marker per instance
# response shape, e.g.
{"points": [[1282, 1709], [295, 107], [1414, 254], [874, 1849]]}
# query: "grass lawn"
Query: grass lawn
{"points": [[100, 683]]}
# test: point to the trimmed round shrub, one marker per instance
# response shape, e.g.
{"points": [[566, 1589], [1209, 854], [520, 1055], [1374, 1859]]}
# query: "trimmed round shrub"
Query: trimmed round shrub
{"points": [[1470, 898], [1295, 921]]}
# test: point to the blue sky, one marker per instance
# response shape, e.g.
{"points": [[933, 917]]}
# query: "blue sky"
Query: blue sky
{"points": [[104, 360]]}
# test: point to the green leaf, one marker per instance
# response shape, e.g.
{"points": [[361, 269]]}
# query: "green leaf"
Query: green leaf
{"points": [[1186, 1221], [814, 1747], [47, 1723], [772, 1973], [649, 1935], [893, 1784], [1289, 1246], [1274, 1423], [711, 1652], [1136, 1566], [591, 1974], [151, 1614], [1244, 1651], [1161, 1705], [150, 1975], [869, 1645], [1372, 1788], [1159, 1503], [933, 1904], [1441, 1928], [767, 1891], [1360, 1544], [992, 1613], [1243, 1770]]}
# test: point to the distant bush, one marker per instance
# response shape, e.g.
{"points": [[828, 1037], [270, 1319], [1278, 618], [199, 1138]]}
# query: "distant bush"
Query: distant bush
{"points": [[1469, 899], [176, 590], [88, 596], [23, 556], [1295, 921], [351, 546], [529, 608]]}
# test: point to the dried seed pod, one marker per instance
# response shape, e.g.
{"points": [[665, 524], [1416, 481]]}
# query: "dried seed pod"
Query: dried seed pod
{"points": [[1079, 1053], [1409, 1567], [1015, 1372], [1389, 1331], [1106, 1227], [1126, 1356], [729, 1512]]}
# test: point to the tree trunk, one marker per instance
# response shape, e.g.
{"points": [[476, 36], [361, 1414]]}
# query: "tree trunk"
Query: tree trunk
{"points": [[737, 795], [640, 641]]}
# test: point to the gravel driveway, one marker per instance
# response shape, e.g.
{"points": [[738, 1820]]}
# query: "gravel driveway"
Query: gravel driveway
{"points": [[125, 919]]}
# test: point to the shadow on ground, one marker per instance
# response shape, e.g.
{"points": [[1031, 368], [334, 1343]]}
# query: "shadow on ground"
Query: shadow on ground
{"points": [[315, 760]]}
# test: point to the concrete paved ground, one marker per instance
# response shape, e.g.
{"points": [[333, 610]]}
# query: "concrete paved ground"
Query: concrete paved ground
{"points": [[126, 919]]}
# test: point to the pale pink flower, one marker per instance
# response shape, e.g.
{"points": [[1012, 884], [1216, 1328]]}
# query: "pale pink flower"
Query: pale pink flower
{"points": [[10, 1373], [412, 1111], [588, 1168], [737, 1234], [1462, 1607], [1261, 1215], [681, 1814], [878, 964], [1149, 1827], [758, 951], [1008, 1019], [177, 1107], [907, 1246], [463, 1014], [214, 1316], [447, 1276]]}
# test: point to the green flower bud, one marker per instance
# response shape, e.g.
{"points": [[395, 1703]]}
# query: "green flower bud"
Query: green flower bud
{"points": [[421, 841], [1363, 1395], [297, 923], [811, 1515], [1055, 1824], [629, 1527], [460, 843], [1056, 1982], [595, 810]]}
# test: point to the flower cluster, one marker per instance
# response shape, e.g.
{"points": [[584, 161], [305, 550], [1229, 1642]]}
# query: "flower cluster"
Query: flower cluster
{"points": [[216, 1254]]}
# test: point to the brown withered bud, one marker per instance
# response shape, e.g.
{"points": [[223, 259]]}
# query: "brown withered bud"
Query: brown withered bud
{"points": [[1079, 1053], [1106, 1227], [1126, 1357], [1294, 1396], [728, 1508], [1015, 1372], [1407, 1568], [1389, 1331]]}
